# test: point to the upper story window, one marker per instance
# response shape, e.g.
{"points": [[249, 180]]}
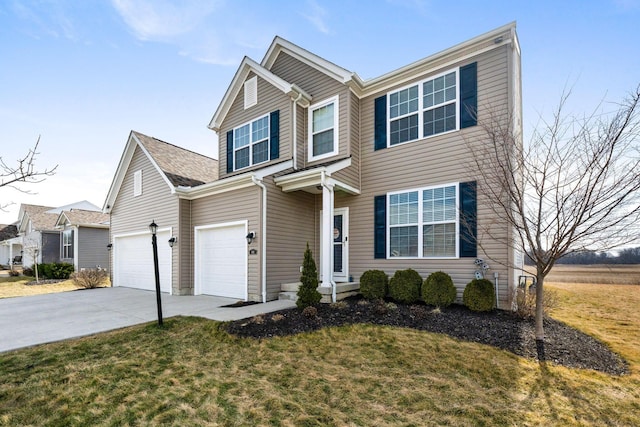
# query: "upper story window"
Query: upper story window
{"points": [[424, 109], [251, 143], [423, 223], [323, 129]]}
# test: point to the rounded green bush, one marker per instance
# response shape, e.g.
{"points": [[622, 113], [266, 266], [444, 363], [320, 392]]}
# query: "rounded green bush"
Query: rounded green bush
{"points": [[405, 286], [374, 284], [479, 295], [438, 290]]}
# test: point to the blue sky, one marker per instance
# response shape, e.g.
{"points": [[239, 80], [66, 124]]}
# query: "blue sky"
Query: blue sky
{"points": [[82, 74]]}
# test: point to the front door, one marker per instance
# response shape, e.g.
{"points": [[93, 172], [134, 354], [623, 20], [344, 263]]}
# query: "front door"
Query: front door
{"points": [[340, 244]]}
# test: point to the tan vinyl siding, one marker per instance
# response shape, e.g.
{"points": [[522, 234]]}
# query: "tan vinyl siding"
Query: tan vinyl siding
{"points": [[269, 99], [290, 225], [437, 160], [351, 175], [184, 249], [239, 205], [131, 214], [321, 87]]}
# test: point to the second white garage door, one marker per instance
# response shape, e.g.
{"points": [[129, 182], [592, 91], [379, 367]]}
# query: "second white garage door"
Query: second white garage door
{"points": [[221, 260]]}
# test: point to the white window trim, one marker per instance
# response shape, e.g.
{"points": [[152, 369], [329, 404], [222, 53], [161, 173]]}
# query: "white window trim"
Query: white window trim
{"points": [[251, 92], [251, 144], [137, 183], [69, 244], [421, 108], [421, 224], [336, 141]]}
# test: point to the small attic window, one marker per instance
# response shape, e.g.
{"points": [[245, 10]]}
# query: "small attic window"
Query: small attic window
{"points": [[251, 92], [137, 183]]}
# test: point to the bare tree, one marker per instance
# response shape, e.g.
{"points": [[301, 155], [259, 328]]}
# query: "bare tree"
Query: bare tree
{"points": [[23, 172], [573, 186]]}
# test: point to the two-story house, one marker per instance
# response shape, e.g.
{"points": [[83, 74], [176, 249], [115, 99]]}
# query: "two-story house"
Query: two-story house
{"points": [[372, 174]]}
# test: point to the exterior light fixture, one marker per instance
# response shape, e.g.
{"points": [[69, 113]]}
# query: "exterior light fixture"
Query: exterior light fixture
{"points": [[251, 236], [172, 241], [109, 246], [153, 227]]}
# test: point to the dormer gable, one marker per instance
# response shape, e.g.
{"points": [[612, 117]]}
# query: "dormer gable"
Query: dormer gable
{"points": [[246, 67]]}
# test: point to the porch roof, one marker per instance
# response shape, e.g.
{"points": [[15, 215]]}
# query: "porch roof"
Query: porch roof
{"points": [[311, 179]]}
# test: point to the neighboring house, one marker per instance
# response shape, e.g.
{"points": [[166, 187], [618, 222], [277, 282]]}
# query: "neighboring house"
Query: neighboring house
{"points": [[372, 174], [77, 233], [10, 245], [84, 238]]}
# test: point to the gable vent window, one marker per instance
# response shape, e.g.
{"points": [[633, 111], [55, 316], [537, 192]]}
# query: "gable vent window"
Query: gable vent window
{"points": [[137, 183], [250, 92]]}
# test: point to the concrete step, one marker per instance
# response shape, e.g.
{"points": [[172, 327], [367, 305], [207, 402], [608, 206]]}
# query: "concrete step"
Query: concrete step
{"points": [[288, 295]]}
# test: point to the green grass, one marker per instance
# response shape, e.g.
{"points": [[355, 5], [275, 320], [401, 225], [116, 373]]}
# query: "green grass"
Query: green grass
{"points": [[192, 373]]}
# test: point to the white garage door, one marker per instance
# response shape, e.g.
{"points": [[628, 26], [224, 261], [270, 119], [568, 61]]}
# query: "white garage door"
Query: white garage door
{"points": [[133, 261], [221, 260]]}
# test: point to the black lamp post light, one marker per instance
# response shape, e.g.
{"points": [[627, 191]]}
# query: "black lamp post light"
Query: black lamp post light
{"points": [[153, 227]]}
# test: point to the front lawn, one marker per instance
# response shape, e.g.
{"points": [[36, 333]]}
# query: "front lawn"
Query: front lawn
{"points": [[193, 373], [21, 286]]}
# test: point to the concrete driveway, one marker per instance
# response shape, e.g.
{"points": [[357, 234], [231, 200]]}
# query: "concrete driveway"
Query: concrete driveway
{"points": [[39, 319]]}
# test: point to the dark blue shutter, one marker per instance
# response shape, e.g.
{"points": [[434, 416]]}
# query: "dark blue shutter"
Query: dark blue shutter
{"points": [[468, 219], [468, 95], [230, 151], [380, 227], [380, 123], [274, 135]]}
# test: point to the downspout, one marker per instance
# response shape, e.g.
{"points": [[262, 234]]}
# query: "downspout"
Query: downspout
{"points": [[495, 277], [295, 130], [323, 182], [263, 235]]}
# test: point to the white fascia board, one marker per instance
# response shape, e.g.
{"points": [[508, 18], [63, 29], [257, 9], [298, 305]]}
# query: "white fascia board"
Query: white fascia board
{"points": [[60, 223], [230, 95], [424, 66], [232, 183], [326, 67], [118, 178]]}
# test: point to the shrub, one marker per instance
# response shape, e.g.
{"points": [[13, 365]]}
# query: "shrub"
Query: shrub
{"points": [[405, 285], [439, 290], [310, 312], [55, 270], [90, 278], [28, 271], [374, 284], [277, 317], [479, 295], [526, 302], [308, 294], [14, 273]]}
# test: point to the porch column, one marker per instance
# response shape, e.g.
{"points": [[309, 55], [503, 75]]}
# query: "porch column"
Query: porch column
{"points": [[326, 239]]}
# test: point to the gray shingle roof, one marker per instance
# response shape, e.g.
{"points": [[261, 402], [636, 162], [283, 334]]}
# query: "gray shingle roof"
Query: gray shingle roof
{"points": [[182, 167], [40, 218], [83, 217]]}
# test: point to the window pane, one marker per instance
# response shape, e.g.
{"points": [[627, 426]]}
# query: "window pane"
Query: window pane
{"points": [[323, 118], [241, 136], [439, 204], [403, 102], [242, 158], [439, 90], [260, 152], [323, 142], [439, 240], [403, 241], [260, 129], [405, 129], [403, 208], [441, 119]]}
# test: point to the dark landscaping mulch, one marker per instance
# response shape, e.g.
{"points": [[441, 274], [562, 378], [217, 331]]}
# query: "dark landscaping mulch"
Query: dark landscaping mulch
{"points": [[564, 345]]}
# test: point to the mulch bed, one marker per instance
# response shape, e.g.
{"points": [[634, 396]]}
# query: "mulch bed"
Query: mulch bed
{"points": [[45, 282], [563, 345]]}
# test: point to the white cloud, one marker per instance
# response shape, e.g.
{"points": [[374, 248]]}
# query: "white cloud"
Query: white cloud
{"points": [[48, 18], [317, 17], [163, 19]]}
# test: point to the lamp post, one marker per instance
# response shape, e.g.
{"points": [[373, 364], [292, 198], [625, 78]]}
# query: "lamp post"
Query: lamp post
{"points": [[153, 227]]}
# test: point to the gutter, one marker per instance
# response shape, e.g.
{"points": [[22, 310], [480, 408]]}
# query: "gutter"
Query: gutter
{"points": [[263, 239]]}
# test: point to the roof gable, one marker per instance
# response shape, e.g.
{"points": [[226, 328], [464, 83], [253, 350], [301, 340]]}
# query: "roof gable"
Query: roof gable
{"points": [[81, 217], [246, 66], [177, 166], [40, 216]]}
